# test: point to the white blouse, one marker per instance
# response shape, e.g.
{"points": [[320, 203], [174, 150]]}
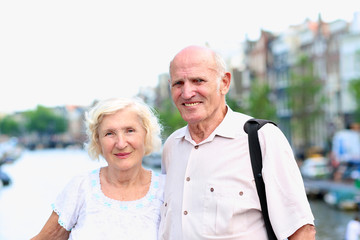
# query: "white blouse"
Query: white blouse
{"points": [[84, 210]]}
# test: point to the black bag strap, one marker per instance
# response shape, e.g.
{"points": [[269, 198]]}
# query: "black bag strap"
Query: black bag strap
{"points": [[251, 127]]}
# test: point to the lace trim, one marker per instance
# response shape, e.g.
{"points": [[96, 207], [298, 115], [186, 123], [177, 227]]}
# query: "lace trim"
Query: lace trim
{"points": [[125, 205], [60, 221]]}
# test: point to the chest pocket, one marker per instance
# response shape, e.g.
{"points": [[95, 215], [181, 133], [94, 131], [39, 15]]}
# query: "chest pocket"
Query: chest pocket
{"points": [[225, 210]]}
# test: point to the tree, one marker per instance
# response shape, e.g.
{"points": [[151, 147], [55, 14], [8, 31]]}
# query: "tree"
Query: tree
{"points": [[170, 118], [9, 126], [233, 104], [259, 102], [45, 121], [354, 87], [306, 99]]}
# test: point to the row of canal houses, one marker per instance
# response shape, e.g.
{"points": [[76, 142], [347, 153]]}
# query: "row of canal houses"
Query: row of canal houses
{"points": [[333, 48]]}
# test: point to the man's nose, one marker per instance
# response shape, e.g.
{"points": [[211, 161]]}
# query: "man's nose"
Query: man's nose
{"points": [[188, 90]]}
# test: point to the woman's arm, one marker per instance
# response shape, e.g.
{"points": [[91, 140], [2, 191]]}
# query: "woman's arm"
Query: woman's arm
{"points": [[52, 230]]}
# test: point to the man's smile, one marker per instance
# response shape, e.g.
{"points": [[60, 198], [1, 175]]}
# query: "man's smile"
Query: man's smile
{"points": [[191, 104]]}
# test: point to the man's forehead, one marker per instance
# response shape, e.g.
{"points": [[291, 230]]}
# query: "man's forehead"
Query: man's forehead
{"points": [[193, 64], [192, 72]]}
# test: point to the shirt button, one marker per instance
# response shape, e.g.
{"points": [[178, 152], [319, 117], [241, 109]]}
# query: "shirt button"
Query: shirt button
{"points": [[241, 193], [185, 212], [197, 146], [188, 179], [165, 204], [211, 189]]}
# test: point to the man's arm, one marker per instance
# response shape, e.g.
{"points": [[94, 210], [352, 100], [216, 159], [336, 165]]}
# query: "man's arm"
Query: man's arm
{"points": [[52, 230], [306, 232]]}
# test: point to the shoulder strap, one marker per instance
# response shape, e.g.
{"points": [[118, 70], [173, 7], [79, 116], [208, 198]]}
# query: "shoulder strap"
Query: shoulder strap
{"points": [[251, 127]]}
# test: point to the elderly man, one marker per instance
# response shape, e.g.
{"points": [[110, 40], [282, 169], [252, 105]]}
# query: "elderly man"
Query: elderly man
{"points": [[210, 191]]}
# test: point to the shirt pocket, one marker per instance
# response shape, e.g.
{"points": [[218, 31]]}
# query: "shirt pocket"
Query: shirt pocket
{"points": [[224, 210]]}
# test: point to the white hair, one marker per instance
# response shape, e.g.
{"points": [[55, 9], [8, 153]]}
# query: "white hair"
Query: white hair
{"points": [[95, 115]]}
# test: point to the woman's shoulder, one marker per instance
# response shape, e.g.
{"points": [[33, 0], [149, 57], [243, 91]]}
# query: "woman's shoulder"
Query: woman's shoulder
{"points": [[85, 175], [158, 184], [83, 180], [158, 177]]}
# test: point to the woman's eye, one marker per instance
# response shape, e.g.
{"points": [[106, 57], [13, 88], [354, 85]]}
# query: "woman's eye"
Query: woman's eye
{"points": [[131, 130], [108, 134]]}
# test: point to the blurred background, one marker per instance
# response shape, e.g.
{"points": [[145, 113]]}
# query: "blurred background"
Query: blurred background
{"points": [[297, 63]]}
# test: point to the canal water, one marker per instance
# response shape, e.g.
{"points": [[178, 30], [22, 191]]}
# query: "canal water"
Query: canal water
{"points": [[38, 176]]}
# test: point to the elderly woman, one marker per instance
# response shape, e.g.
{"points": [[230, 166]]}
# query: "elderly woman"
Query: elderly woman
{"points": [[123, 199]]}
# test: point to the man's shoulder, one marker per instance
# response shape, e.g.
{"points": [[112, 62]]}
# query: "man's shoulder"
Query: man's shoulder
{"points": [[177, 134], [241, 116], [236, 120]]}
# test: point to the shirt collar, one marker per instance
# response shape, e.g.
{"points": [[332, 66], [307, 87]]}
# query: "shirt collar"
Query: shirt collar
{"points": [[229, 127]]}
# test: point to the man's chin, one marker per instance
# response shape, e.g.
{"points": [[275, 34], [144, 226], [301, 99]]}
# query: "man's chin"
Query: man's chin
{"points": [[191, 117], [192, 120]]}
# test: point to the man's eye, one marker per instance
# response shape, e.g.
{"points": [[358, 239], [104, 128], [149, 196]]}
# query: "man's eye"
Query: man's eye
{"points": [[198, 80], [108, 134], [177, 83], [131, 130]]}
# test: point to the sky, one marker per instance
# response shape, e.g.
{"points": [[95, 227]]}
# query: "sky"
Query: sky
{"points": [[72, 52]]}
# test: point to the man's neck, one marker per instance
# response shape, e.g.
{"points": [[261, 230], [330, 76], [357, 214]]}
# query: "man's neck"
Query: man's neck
{"points": [[202, 130]]}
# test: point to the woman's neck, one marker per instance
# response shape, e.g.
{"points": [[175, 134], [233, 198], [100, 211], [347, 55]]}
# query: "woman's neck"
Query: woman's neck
{"points": [[125, 186]]}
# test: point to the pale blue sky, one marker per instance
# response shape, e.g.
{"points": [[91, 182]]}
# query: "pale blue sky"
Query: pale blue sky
{"points": [[72, 52]]}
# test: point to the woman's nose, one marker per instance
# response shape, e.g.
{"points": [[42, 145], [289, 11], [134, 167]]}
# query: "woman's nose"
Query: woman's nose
{"points": [[120, 141]]}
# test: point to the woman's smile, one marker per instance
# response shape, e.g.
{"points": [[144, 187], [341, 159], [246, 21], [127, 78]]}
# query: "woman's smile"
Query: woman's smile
{"points": [[122, 155]]}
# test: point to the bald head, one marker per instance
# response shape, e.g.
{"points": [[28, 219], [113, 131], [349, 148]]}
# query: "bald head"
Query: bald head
{"points": [[199, 54]]}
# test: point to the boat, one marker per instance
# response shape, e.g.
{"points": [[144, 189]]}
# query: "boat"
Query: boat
{"points": [[5, 180], [10, 151], [316, 167], [343, 199]]}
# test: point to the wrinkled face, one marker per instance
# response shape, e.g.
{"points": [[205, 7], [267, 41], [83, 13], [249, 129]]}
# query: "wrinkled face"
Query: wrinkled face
{"points": [[196, 87], [122, 139]]}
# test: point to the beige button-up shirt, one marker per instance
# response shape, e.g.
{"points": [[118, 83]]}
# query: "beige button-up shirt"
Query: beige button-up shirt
{"points": [[210, 191]]}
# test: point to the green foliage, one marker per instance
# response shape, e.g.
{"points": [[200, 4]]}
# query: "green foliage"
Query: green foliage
{"points": [[354, 88], [45, 121], [170, 118], [232, 103], [259, 103], [9, 126], [306, 99]]}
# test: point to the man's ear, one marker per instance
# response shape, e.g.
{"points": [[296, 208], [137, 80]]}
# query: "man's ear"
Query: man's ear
{"points": [[225, 83]]}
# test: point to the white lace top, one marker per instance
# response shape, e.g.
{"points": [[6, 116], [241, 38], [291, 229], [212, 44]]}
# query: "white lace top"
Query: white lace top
{"points": [[84, 210]]}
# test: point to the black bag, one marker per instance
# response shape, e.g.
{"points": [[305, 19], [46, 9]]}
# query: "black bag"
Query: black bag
{"points": [[251, 127]]}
